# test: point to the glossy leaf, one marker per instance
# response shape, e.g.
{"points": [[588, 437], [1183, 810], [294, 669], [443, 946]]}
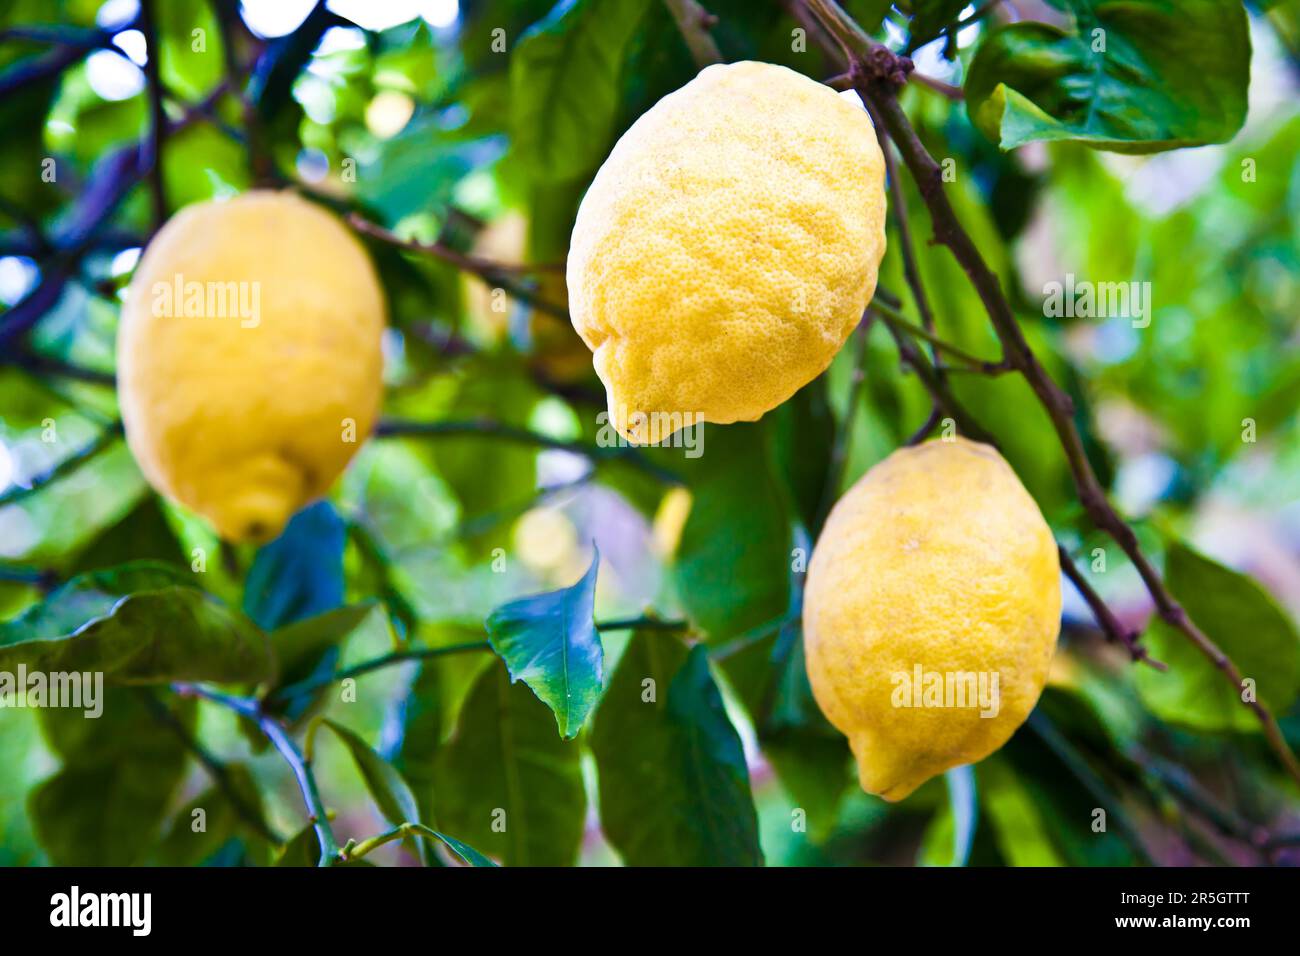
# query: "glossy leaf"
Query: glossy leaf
{"points": [[1133, 76], [674, 787], [386, 786], [549, 641], [1244, 621], [137, 623], [506, 782]]}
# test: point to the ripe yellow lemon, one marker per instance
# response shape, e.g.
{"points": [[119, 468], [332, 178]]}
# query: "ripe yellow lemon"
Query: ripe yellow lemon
{"points": [[727, 247], [931, 612], [249, 358]]}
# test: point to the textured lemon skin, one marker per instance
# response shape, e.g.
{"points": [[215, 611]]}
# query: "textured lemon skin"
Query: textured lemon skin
{"points": [[938, 557], [245, 425], [728, 246]]}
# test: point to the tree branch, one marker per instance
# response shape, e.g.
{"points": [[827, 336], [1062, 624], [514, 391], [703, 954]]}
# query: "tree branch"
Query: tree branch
{"points": [[79, 457], [486, 427], [490, 272], [157, 117], [878, 74]]}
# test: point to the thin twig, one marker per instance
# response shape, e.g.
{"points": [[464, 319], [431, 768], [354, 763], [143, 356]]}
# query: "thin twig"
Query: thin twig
{"points": [[79, 457], [1106, 619], [694, 23], [298, 763], [490, 272], [973, 362], [487, 428], [645, 623]]}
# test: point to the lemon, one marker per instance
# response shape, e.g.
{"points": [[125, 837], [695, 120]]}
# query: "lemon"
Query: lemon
{"points": [[249, 358], [726, 248], [931, 611]]}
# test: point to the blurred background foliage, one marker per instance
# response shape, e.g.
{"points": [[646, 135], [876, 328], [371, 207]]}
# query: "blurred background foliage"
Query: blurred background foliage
{"points": [[478, 125]]}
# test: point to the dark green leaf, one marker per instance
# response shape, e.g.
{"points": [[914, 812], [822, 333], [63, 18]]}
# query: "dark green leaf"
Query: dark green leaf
{"points": [[732, 567], [1239, 616], [220, 822], [674, 787], [390, 791], [549, 641], [138, 623], [564, 82], [107, 804], [1133, 76], [507, 782]]}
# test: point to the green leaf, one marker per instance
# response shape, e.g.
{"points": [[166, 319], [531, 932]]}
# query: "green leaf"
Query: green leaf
{"points": [[143, 535], [1133, 76], [303, 849], [549, 641], [138, 623], [1018, 828], [105, 807], [184, 845], [463, 850], [811, 758], [803, 432], [732, 567], [565, 85], [390, 791], [1244, 621], [417, 718], [300, 573], [310, 648], [507, 782], [674, 787]]}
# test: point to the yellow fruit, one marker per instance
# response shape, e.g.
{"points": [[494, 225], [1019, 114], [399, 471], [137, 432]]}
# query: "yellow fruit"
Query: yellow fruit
{"points": [[727, 247], [249, 361], [935, 573]]}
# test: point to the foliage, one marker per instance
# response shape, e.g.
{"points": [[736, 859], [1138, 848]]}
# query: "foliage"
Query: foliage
{"points": [[503, 639]]}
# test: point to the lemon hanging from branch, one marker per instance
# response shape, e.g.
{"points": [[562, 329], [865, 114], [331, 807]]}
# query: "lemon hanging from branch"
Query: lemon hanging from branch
{"points": [[931, 612], [727, 248], [249, 359]]}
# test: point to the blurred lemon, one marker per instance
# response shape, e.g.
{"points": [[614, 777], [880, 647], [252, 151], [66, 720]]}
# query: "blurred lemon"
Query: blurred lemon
{"points": [[727, 247], [935, 576], [249, 362]]}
